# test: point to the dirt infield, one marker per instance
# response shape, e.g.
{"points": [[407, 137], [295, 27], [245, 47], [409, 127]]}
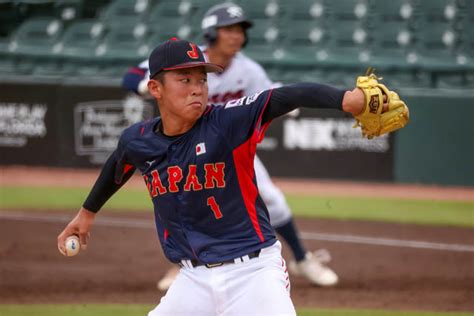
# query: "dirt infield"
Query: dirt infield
{"points": [[122, 265], [124, 259]]}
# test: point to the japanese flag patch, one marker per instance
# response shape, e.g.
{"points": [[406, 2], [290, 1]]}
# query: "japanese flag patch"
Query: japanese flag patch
{"points": [[200, 149]]}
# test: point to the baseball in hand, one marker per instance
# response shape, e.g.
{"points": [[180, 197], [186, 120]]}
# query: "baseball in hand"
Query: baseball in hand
{"points": [[73, 245]]}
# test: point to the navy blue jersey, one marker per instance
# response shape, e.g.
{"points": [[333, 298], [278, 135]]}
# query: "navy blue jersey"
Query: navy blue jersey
{"points": [[202, 183]]}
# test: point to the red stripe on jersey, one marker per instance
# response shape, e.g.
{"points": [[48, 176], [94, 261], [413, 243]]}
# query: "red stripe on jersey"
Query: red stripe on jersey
{"points": [[243, 160], [244, 156], [165, 234], [127, 168], [263, 129]]}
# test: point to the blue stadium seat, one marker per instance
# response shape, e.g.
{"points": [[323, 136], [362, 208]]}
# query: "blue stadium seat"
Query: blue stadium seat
{"points": [[437, 43], [37, 37], [68, 10], [125, 11], [395, 11], [79, 47], [81, 39], [125, 43], [439, 10], [265, 41], [36, 42], [263, 9], [392, 47], [350, 10], [349, 45], [303, 40], [172, 8], [308, 10], [165, 28]]}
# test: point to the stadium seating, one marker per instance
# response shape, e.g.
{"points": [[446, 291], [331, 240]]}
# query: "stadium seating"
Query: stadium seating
{"points": [[394, 10], [351, 10], [125, 43], [68, 10], [166, 27], [265, 41], [420, 42], [393, 48], [172, 8], [263, 9], [439, 10], [125, 11], [80, 44], [303, 42], [307, 10], [437, 43], [81, 39], [348, 45], [34, 43], [37, 36]]}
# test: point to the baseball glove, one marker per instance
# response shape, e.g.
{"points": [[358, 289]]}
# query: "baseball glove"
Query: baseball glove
{"points": [[373, 121]]}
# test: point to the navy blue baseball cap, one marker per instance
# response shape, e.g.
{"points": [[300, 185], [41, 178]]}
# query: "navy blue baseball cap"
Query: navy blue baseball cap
{"points": [[178, 54]]}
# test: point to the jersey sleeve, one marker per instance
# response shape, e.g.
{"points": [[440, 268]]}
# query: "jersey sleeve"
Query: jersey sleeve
{"points": [[241, 120], [114, 174]]}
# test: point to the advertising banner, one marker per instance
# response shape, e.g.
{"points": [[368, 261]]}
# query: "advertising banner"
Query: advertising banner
{"points": [[323, 144], [68, 125], [28, 132]]}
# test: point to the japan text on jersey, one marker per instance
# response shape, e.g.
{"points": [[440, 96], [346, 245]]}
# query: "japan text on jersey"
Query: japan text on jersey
{"points": [[202, 183]]}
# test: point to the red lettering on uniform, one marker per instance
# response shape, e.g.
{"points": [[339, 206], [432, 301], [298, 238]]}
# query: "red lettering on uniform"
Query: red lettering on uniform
{"points": [[214, 175], [211, 202], [192, 180], [175, 175], [156, 185]]}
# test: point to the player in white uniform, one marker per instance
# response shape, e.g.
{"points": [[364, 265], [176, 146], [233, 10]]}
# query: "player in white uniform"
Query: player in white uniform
{"points": [[224, 28]]}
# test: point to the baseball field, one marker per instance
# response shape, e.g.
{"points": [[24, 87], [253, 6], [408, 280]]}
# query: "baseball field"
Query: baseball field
{"points": [[398, 249]]}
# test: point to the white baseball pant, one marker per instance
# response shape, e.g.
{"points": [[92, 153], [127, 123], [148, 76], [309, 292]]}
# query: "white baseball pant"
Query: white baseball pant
{"points": [[255, 287], [274, 199]]}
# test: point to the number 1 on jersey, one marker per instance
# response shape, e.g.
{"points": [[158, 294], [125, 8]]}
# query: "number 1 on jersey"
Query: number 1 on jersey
{"points": [[211, 202]]}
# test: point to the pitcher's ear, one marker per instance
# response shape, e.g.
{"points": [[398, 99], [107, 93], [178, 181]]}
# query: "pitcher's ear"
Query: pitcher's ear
{"points": [[155, 88]]}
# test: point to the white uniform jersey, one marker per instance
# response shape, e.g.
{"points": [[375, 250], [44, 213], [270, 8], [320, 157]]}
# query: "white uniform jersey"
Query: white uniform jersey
{"points": [[242, 77]]}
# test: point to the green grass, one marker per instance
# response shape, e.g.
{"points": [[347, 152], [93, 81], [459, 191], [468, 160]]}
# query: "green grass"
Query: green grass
{"points": [[430, 212], [75, 310], [426, 212], [69, 198], [134, 310]]}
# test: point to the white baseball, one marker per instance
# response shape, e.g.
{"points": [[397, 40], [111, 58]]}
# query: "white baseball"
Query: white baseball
{"points": [[73, 245]]}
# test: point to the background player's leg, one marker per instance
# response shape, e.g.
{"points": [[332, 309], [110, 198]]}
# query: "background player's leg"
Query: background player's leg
{"points": [[165, 282], [280, 213], [306, 263], [188, 295]]}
